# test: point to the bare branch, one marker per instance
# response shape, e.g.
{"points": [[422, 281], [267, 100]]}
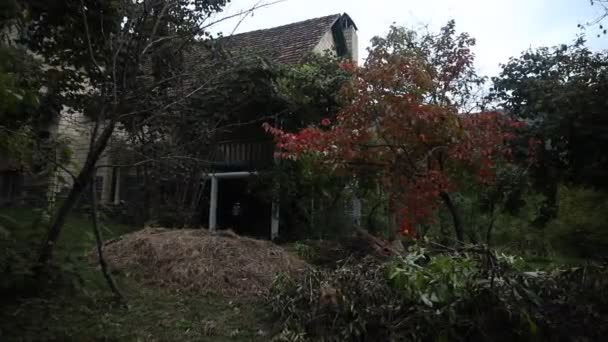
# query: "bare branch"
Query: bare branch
{"points": [[255, 7], [154, 160], [88, 36]]}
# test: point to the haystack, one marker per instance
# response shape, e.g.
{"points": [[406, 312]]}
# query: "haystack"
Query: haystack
{"points": [[187, 259]]}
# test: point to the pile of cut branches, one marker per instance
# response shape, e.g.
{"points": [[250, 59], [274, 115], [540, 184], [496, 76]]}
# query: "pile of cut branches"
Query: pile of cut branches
{"points": [[437, 293]]}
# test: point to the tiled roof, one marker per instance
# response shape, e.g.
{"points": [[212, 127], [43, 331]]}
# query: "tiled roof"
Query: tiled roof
{"points": [[286, 44]]}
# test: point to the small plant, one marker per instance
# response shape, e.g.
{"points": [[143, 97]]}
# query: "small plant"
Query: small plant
{"points": [[305, 251], [435, 281]]}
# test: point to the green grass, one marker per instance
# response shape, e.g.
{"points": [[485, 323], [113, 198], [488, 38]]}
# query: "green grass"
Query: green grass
{"points": [[154, 314], [83, 309], [77, 237]]}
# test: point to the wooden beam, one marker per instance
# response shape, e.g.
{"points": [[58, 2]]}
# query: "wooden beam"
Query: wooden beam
{"points": [[116, 181], [356, 212], [229, 175]]}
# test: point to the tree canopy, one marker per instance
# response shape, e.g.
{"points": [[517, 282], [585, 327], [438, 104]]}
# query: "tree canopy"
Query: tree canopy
{"points": [[401, 118], [560, 92]]}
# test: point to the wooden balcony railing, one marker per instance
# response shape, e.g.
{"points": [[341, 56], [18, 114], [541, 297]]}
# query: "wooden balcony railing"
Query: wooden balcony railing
{"points": [[244, 155]]}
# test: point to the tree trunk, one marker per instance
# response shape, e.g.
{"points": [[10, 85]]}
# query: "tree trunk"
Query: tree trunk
{"points": [[80, 183], [447, 200], [489, 232], [490, 225], [547, 179], [99, 243]]}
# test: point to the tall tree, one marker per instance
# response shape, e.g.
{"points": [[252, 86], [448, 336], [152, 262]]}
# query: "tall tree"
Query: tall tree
{"points": [[560, 92], [446, 58], [103, 52], [20, 82], [401, 119]]}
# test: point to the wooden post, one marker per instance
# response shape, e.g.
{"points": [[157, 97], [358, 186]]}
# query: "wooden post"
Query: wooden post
{"points": [[274, 220], [274, 211], [213, 205]]}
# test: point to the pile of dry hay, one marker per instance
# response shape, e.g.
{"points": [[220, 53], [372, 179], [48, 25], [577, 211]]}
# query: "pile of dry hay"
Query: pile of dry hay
{"points": [[188, 259]]}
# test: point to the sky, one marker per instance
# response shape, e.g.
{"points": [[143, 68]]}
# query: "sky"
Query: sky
{"points": [[503, 28]]}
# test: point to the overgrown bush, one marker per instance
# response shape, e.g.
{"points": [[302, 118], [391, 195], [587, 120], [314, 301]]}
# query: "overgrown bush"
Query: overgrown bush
{"points": [[515, 230], [18, 247], [313, 204], [581, 227], [502, 214], [469, 295]]}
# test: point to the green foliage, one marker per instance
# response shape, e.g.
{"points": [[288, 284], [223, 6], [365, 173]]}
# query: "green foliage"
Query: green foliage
{"points": [[19, 85], [560, 92], [19, 100], [304, 251], [436, 282], [503, 213], [16, 144], [516, 232], [581, 227], [18, 247], [578, 232], [12, 17], [311, 90]]}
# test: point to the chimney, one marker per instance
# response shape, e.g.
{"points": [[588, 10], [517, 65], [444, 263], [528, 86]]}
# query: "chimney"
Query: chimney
{"points": [[352, 41]]}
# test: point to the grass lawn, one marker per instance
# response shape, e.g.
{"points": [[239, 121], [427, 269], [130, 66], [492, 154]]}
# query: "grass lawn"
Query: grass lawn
{"points": [[84, 310]]}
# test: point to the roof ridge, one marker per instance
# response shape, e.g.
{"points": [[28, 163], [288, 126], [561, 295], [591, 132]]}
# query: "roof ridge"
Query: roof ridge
{"points": [[286, 44], [290, 24]]}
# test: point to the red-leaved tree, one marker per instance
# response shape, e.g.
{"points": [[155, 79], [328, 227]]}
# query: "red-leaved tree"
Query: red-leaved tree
{"points": [[401, 117]]}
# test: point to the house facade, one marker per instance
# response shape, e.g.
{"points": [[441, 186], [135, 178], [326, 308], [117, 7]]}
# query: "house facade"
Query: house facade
{"points": [[35, 183], [289, 45]]}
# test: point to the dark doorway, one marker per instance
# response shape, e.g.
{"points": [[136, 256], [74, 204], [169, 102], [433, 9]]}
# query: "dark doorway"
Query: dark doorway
{"points": [[240, 209]]}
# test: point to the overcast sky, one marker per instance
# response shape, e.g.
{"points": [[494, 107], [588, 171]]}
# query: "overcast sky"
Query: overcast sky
{"points": [[503, 28]]}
